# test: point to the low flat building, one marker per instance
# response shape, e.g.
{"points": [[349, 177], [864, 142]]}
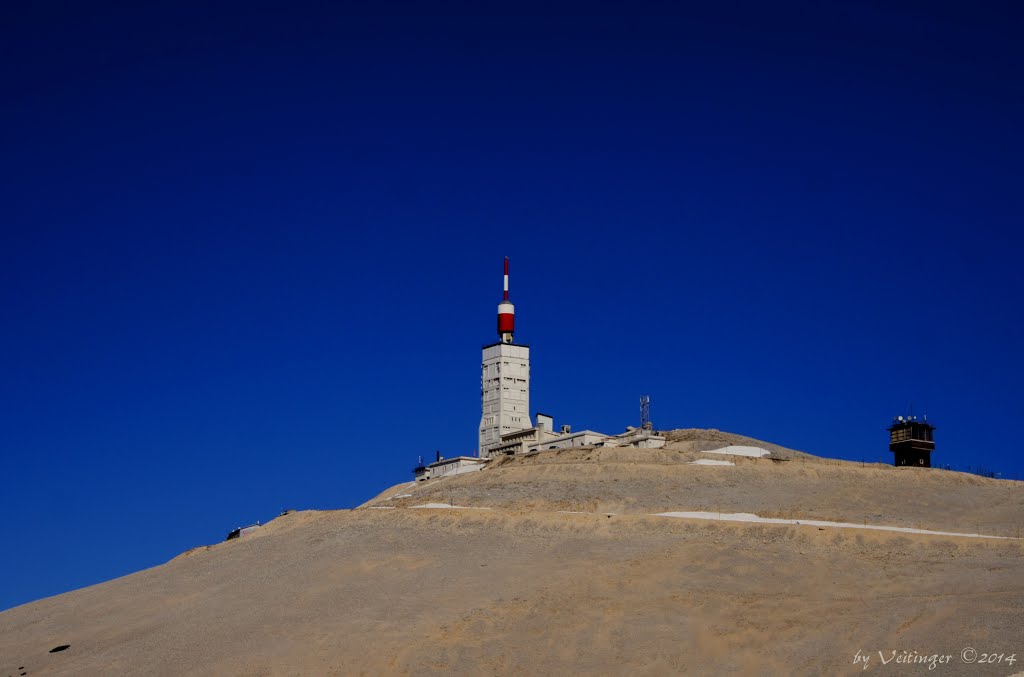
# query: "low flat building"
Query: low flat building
{"points": [[643, 438], [242, 531], [543, 437], [648, 440], [515, 443], [568, 439], [519, 441], [456, 465]]}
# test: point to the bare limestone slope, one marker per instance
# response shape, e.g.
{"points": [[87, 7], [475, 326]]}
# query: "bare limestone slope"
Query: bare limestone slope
{"points": [[510, 585], [791, 484]]}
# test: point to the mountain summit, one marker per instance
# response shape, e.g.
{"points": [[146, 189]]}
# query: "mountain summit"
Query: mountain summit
{"points": [[717, 553]]}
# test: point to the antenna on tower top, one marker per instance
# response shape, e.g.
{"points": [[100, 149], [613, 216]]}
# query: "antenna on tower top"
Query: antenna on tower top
{"points": [[506, 312]]}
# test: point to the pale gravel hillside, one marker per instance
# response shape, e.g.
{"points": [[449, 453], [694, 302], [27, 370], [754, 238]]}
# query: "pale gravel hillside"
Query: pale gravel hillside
{"points": [[509, 585], [701, 439], [649, 481]]}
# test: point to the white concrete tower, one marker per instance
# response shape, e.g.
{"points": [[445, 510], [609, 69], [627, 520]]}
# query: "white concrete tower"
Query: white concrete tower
{"points": [[504, 381]]}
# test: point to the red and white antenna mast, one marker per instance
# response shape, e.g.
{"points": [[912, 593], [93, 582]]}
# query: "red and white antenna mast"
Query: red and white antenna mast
{"points": [[506, 313]]}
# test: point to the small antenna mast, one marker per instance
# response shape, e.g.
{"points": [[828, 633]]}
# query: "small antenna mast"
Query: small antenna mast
{"points": [[645, 412]]}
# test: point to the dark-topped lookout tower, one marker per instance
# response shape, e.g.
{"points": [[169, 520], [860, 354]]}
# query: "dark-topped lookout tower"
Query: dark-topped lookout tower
{"points": [[912, 441]]}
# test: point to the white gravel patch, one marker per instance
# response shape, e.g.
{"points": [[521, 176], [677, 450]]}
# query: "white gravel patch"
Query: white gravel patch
{"points": [[737, 450], [710, 461], [447, 506], [750, 517]]}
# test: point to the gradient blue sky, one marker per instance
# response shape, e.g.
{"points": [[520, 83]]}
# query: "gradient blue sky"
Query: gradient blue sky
{"points": [[250, 253]]}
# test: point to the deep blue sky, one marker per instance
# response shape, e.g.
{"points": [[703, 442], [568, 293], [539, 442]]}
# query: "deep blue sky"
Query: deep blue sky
{"points": [[250, 254]]}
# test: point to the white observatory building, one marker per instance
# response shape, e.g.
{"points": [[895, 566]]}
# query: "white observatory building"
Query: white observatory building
{"points": [[504, 381]]}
